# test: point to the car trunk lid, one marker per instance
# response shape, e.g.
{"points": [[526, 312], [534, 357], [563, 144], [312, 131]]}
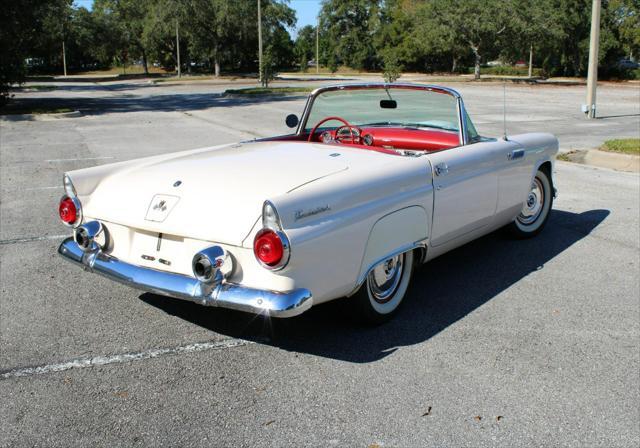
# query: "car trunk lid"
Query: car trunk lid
{"points": [[213, 195]]}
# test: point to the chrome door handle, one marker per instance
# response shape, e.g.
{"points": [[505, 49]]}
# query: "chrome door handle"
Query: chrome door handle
{"points": [[441, 169], [516, 154]]}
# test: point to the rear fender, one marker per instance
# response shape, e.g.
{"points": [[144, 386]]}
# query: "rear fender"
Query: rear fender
{"points": [[395, 233]]}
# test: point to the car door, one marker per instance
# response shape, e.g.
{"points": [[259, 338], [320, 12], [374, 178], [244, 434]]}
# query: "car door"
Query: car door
{"points": [[515, 180], [465, 181]]}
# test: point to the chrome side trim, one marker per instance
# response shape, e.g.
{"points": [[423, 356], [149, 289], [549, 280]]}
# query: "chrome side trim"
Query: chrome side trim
{"points": [[225, 295]]}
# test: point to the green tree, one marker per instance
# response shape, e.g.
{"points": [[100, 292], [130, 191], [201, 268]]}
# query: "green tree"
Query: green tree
{"points": [[305, 46], [21, 33], [626, 17], [159, 32], [347, 28], [535, 26], [476, 24], [225, 32], [127, 18], [395, 36]]}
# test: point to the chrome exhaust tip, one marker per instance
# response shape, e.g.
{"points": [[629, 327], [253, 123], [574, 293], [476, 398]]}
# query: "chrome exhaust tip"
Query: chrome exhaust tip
{"points": [[207, 264], [86, 234]]}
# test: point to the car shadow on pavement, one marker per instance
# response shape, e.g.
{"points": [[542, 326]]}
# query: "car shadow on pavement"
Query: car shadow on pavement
{"points": [[444, 291]]}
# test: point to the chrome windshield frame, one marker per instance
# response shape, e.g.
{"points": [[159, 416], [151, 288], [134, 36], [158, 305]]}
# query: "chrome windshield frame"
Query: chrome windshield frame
{"points": [[461, 111]]}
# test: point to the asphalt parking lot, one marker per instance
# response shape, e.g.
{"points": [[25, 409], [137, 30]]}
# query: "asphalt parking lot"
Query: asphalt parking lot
{"points": [[500, 343]]}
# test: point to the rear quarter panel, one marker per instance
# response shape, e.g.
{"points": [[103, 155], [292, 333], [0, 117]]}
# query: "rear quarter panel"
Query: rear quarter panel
{"points": [[371, 209]]}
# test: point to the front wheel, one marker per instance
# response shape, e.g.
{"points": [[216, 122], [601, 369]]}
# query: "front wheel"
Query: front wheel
{"points": [[381, 294], [536, 208]]}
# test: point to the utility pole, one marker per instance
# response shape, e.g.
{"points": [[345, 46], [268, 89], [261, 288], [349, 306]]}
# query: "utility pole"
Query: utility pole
{"points": [[64, 58], [259, 43], [592, 77], [318, 45], [530, 60], [178, 50]]}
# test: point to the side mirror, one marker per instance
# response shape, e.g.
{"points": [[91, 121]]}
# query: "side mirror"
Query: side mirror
{"points": [[292, 120]]}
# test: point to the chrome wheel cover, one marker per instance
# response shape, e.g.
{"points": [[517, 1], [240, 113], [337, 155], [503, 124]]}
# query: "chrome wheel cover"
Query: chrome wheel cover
{"points": [[534, 204], [384, 278]]}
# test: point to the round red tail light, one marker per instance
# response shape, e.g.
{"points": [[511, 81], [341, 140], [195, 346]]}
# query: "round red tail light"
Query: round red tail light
{"points": [[68, 211], [268, 247]]}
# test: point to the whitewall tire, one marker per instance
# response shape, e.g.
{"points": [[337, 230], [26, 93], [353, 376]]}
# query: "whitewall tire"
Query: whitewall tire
{"points": [[381, 294], [536, 208]]}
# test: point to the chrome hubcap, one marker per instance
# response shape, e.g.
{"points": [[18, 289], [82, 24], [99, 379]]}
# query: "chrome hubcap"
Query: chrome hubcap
{"points": [[533, 205], [384, 279]]}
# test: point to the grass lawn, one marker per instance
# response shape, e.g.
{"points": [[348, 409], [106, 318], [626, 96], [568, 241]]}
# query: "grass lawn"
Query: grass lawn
{"points": [[268, 91], [623, 145]]}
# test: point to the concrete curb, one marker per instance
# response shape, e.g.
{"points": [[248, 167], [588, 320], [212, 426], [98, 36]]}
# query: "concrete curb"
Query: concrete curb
{"points": [[604, 159]]}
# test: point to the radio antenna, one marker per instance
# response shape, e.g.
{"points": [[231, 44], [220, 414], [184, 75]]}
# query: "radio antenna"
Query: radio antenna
{"points": [[504, 109]]}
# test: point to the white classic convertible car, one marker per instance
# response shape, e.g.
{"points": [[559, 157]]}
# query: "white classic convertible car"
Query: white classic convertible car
{"points": [[377, 179]]}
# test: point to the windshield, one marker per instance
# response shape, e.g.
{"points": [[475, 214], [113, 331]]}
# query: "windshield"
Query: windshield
{"points": [[386, 107]]}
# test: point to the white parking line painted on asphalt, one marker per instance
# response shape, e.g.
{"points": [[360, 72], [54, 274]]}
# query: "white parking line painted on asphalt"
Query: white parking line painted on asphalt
{"points": [[43, 188], [33, 238], [80, 158], [81, 363]]}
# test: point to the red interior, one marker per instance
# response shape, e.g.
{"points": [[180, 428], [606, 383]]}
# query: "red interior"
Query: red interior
{"points": [[387, 138]]}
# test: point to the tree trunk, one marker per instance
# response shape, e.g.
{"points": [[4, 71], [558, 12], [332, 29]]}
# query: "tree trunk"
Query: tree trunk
{"points": [[144, 62], [216, 65], [478, 60], [454, 65], [531, 61]]}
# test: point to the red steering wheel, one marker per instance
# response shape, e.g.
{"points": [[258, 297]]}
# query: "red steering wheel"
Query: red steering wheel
{"points": [[345, 125]]}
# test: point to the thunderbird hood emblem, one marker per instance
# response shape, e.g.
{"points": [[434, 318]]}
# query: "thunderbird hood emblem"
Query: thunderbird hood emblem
{"points": [[162, 205]]}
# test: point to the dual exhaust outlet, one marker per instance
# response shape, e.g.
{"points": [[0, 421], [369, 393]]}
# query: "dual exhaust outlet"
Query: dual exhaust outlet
{"points": [[207, 264], [88, 234]]}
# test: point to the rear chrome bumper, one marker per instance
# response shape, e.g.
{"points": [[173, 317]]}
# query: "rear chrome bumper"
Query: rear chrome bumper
{"points": [[225, 295]]}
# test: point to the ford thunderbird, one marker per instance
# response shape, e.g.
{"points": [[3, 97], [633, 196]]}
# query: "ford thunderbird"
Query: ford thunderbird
{"points": [[375, 180]]}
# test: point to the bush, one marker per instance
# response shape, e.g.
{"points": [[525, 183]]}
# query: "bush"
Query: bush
{"points": [[267, 70], [507, 70], [392, 68]]}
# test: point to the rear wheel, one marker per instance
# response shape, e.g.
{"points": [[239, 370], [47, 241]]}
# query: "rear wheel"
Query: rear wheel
{"points": [[536, 208], [381, 294]]}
